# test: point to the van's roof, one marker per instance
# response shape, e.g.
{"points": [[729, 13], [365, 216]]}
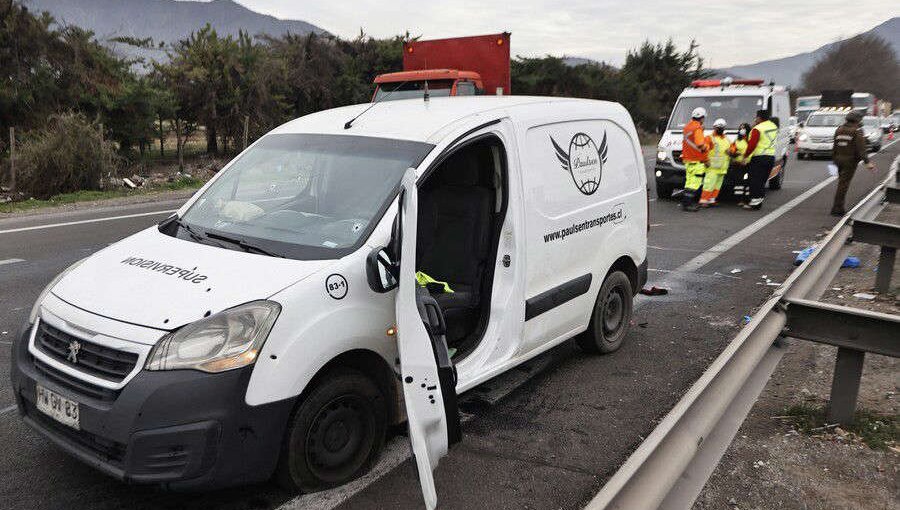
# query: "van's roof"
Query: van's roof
{"points": [[418, 120]]}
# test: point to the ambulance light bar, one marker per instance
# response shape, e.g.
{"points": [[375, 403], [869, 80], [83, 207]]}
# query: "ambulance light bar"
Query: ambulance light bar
{"points": [[725, 82]]}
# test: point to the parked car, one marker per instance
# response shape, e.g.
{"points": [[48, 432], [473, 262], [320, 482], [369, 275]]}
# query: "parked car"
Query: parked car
{"points": [[871, 127], [336, 278]]}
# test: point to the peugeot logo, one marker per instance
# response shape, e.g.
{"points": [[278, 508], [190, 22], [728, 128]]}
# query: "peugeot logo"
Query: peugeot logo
{"points": [[74, 349]]}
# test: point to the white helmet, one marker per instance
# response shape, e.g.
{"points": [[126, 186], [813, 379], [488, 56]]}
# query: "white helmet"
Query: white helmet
{"points": [[720, 123], [698, 112]]}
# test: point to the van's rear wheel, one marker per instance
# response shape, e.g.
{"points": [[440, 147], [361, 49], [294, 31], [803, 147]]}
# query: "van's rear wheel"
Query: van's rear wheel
{"points": [[611, 319], [335, 434]]}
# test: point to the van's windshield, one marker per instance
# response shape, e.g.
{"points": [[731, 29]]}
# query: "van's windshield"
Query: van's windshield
{"points": [[826, 120], [303, 196], [734, 109], [413, 89]]}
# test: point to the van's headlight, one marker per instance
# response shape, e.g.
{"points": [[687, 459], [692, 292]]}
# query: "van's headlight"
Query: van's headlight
{"points": [[661, 155], [803, 137], [224, 341], [36, 308]]}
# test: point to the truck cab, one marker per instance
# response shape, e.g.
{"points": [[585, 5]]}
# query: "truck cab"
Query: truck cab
{"points": [[736, 101], [458, 66], [438, 82]]}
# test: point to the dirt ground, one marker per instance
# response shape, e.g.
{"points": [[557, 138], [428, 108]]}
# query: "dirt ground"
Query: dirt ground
{"points": [[772, 465]]}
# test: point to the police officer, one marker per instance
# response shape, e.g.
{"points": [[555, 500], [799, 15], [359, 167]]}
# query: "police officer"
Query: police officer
{"points": [[848, 150], [761, 150]]}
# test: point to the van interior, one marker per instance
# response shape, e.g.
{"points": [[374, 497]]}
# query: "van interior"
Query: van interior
{"points": [[462, 204]]}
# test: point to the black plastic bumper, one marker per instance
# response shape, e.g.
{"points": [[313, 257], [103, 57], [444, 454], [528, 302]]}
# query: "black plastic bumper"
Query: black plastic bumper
{"points": [[183, 429], [669, 175]]}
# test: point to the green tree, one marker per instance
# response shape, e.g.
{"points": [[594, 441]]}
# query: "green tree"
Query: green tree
{"points": [[654, 75]]}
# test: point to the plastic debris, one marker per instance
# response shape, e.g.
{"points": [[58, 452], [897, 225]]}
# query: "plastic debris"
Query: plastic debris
{"points": [[746, 319], [864, 295], [850, 262], [803, 255], [654, 291], [737, 270], [128, 183]]}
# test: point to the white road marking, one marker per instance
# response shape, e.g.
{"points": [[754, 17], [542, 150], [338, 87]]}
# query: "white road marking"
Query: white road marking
{"points": [[7, 409], [394, 454], [82, 222], [734, 239], [10, 261]]}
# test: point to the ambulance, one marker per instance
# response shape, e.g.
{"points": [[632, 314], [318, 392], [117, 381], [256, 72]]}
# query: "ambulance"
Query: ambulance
{"points": [[337, 278], [736, 101]]}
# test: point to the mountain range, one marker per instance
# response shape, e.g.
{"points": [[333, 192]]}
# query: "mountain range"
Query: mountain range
{"points": [[170, 20], [163, 20], [789, 70]]}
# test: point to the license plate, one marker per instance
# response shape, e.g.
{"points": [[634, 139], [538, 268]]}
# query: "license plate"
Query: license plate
{"points": [[57, 407]]}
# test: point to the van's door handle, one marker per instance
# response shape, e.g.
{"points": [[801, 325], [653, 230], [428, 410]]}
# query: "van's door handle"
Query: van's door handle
{"points": [[506, 260]]}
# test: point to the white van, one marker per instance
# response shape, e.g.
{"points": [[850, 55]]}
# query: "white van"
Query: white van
{"points": [[274, 324], [736, 101]]}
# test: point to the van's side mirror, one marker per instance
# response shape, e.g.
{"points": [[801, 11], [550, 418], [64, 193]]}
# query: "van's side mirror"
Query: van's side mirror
{"points": [[661, 125], [380, 271]]}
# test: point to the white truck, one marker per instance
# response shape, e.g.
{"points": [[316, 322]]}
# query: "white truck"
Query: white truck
{"points": [[736, 101], [274, 325]]}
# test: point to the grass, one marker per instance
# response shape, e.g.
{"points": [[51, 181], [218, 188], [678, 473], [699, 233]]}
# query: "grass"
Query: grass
{"points": [[92, 195], [876, 430]]}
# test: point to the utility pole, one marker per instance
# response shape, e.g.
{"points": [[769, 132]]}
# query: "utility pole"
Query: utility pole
{"points": [[246, 130], [12, 159]]}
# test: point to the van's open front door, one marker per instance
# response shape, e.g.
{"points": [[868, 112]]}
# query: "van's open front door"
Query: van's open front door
{"points": [[429, 379]]}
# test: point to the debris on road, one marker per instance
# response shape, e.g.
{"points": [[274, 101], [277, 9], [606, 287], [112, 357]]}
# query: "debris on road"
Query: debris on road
{"points": [[129, 183], [803, 255], [850, 262], [746, 319], [736, 270], [864, 295], [654, 291]]}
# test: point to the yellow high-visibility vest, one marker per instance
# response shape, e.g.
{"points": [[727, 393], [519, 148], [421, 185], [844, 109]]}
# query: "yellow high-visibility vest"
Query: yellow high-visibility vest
{"points": [[768, 133], [718, 155], [740, 146]]}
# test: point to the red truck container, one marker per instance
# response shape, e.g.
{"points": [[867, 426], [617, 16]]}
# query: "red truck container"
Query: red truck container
{"points": [[456, 66]]}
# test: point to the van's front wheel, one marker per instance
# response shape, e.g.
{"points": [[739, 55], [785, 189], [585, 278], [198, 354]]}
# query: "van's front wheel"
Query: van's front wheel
{"points": [[612, 316], [335, 435]]}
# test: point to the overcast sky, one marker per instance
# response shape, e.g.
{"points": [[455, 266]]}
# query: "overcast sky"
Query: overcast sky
{"points": [[729, 32]]}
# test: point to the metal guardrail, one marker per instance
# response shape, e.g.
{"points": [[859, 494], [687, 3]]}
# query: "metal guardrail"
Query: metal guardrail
{"points": [[670, 467]]}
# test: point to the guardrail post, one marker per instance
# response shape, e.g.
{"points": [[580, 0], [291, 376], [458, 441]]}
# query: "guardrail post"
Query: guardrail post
{"points": [[885, 269], [845, 386]]}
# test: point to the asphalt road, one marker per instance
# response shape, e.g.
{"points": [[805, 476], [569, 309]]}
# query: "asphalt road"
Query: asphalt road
{"points": [[550, 443]]}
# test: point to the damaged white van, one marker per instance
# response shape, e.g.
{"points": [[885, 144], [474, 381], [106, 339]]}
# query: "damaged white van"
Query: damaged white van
{"points": [[337, 278]]}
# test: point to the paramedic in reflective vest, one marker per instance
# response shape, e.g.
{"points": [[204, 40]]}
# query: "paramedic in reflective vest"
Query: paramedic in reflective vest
{"points": [[720, 150], [849, 149], [739, 161], [694, 154], [761, 149]]}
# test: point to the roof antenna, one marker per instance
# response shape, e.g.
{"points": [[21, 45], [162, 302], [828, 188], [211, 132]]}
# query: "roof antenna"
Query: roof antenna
{"points": [[349, 123], [427, 95]]}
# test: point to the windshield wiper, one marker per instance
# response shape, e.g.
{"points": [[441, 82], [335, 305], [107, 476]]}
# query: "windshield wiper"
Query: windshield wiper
{"points": [[248, 247]]}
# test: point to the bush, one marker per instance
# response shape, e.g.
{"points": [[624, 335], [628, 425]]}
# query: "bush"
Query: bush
{"points": [[68, 155]]}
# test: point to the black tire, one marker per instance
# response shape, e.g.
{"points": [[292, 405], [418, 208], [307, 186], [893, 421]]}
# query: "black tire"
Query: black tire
{"points": [[335, 434], [664, 191], [611, 318]]}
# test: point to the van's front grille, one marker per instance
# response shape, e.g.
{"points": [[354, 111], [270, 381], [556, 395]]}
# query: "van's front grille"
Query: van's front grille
{"points": [[94, 359], [74, 384], [821, 139]]}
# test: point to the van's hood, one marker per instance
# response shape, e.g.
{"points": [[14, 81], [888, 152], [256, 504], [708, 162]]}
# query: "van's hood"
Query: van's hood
{"points": [[819, 131], [155, 280]]}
